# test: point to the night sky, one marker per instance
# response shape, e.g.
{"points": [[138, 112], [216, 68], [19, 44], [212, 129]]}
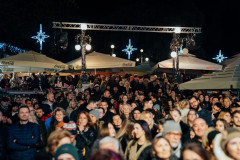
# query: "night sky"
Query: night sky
{"points": [[219, 20]]}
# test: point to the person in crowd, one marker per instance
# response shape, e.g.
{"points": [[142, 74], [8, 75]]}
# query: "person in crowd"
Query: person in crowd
{"points": [[107, 129], [126, 112], [226, 103], [23, 137], [236, 119], [173, 132], [94, 116], [194, 151], [55, 140], [142, 139], [226, 146], [184, 108], [208, 141], [110, 143], [86, 135], [55, 122], [226, 115], [234, 106], [72, 107], [117, 122], [49, 105], [4, 105], [108, 114], [12, 112], [191, 116], [4, 124], [148, 117], [221, 125], [161, 149], [106, 154], [125, 134], [14, 82], [176, 116], [202, 112], [199, 127], [216, 109], [136, 113], [66, 151]]}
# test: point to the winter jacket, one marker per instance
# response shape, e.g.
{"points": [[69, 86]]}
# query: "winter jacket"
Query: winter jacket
{"points": [[131, 152], [26, 136], [84, 141]]}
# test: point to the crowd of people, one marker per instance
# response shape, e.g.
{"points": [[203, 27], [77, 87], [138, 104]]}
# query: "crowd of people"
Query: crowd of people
{"points": [[117, 117]]}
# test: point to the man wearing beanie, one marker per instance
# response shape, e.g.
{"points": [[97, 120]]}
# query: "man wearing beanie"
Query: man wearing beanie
{"points": [[67, 151], [173, 132]]}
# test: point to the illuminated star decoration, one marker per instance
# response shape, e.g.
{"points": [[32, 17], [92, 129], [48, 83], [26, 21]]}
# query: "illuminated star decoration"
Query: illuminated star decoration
{"points": [[129, 49], [40, 37], [220, 58]]}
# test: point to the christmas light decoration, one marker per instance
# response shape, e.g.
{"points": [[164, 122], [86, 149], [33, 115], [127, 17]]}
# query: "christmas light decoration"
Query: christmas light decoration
{"points": [[40, 37], [129, 49], [220, 58]]}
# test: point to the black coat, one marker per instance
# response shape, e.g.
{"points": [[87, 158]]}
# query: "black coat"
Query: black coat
{"points": [[84, 141]]}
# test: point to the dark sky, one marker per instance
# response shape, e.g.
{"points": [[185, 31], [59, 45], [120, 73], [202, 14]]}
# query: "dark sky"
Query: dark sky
{"points": [[219, 20]]}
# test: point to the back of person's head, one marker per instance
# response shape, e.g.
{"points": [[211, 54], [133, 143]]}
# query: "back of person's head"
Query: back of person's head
{"points": [[103, 130], [54, 139], [68, 150], [109, 143], [126, 129], [106, 155]]}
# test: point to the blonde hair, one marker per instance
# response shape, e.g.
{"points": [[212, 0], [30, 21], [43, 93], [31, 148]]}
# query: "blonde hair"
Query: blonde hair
{"points": [[183, 104], [34, 118], [54, 138], [143, 116], [126, 129]]}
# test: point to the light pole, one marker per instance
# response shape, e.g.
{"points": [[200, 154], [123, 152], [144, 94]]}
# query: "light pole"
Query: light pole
{"points": [[141, 51], [112, 47], [83, 42], [174, 46], [174, 55]]}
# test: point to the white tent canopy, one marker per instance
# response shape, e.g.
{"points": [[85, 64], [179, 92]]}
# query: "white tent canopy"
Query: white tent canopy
{"points": [[234, 61], [189, 61], [226, 79], [31, 60], [96, 60]]}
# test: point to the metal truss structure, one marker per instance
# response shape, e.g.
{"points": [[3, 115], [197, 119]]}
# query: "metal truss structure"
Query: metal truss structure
{"points": [[129, 28]]}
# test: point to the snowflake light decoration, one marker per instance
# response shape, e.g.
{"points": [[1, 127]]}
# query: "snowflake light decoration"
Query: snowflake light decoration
{"points": [[40, 37], [13, 49], [220, 58], [129, 49]]}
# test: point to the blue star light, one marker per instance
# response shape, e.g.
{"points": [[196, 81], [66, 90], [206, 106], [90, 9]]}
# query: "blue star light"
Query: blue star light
{"points": [[129, 49], [220, 58], [40, 37]]}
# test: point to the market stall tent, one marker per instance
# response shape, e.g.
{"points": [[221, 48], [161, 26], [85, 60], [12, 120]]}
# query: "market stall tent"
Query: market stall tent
{"points": [[189, 61], [31, 61], [234, 61], [229, 78], [96, 60]]}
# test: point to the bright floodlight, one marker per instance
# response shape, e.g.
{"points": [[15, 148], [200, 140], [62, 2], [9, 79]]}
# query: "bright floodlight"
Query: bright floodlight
{"points": [[173, 54], [88, 47], [141, 50], [147, 59], [114, 55], [177, 30], [83, 26], [77, 47], [112, 46], [137, 59]]}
